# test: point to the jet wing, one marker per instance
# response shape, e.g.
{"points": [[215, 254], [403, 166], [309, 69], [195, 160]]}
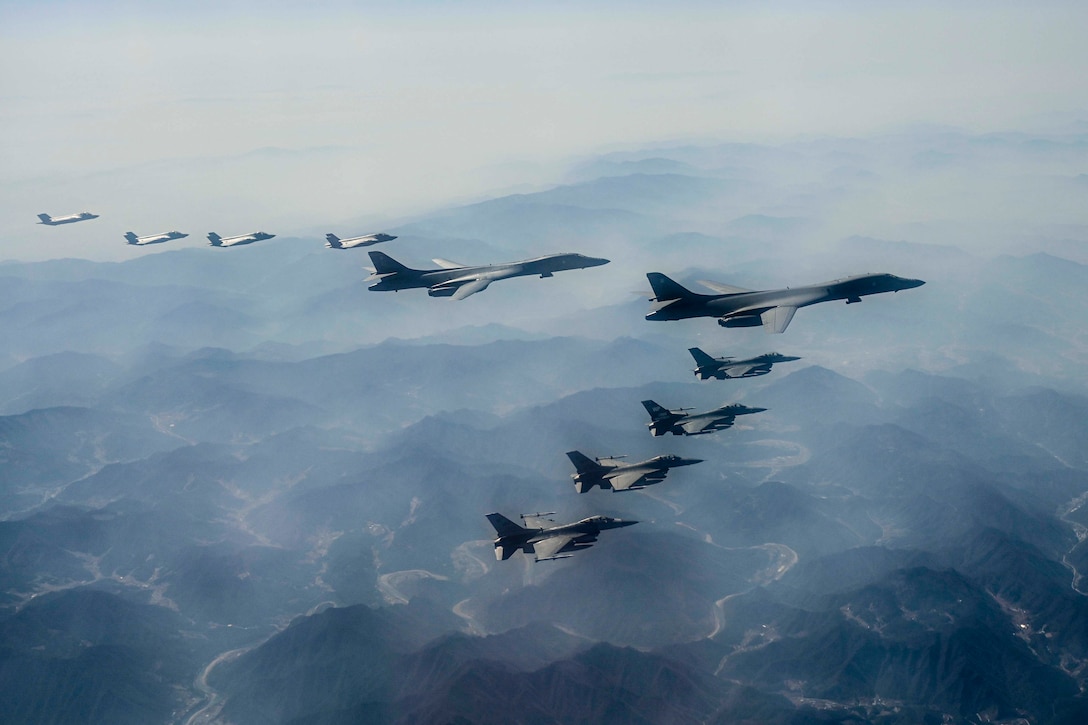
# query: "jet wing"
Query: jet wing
{"points": [[471, 288], [700, 425], [624, 481], [777, 319], [739, 371], [447, 264], [548, 548], [724, 289]]}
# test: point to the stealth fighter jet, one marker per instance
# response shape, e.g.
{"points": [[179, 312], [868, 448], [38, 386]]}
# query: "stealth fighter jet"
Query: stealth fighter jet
{"points": [[681, 423], [457, 281], [217, 241], [546, 540], [612, 473], [131, 238], [722, 368], [50, 221], [773, 309], [335, 242]]}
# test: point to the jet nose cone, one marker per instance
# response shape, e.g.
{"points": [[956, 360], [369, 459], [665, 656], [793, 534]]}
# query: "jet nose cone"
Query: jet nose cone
{"points": [[621, 523], [596, 261], [912, 283], [689, 461], [756, 410]]}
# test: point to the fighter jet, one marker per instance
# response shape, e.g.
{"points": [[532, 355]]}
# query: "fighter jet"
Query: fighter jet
{"points": [[681, 423], [739, 307], [457, 281], [218, 241], [71, 218], [153, 238], [722, 368], [544, 539], [335, 242], [611, 473]]}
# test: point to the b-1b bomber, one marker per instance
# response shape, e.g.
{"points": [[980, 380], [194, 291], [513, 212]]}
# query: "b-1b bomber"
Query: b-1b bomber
{"points": [[612, 473], [679, 422], [545, 539], [773, 309]]}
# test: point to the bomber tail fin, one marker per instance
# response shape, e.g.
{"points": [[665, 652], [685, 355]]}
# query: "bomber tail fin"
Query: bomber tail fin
{"points": [[666, 289], [384, 264], [333, 241], [131, 237], [215, 239]]}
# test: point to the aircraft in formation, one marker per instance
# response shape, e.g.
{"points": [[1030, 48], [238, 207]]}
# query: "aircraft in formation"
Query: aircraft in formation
{"points": [[611, 473], [50, 221], [679, 422], [335, 242], [131, 238], [545, 539], [722, 368], [459, 281], [773, 309], [217, 241]]}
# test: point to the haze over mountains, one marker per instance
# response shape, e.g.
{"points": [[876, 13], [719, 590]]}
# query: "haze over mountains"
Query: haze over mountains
{"points": [[239, 487]]}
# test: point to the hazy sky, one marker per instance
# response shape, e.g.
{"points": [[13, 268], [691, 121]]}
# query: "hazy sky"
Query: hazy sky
{"points": [[152, 113]]}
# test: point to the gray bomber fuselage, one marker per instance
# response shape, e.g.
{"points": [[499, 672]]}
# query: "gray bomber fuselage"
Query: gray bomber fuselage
{"points": [[744, 309]]}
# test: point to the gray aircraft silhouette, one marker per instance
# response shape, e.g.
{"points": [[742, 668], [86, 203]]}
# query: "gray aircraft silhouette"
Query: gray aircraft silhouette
{"points": [[217, 241], [457, 281], [611, 473], [545, 539], [722, 368], [334, 242], [681, 423], [51, 221], [739, 307], [131, 238]]}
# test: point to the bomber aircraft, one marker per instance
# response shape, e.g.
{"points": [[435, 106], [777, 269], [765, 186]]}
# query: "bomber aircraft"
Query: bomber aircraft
{"points": [[50, 221], [773, 309], [612, 473], [681, 423], [458, 281], [545, 539], [153, 238], [217, 241], [335, 242], [722, 368]]}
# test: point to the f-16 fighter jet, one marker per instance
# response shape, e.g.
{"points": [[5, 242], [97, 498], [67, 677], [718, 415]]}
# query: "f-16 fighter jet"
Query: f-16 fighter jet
{"points": [[611, 473], [335, 242], [739, 307], [681, 423], [71, 218], [544, 539], [721, 368], [152, 238], [457, 281], [218, 241]]}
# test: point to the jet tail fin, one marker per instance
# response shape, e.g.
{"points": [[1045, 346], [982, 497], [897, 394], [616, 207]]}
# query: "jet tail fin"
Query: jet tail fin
{"points": [[331, 240], [582, 463], [504, 526], [384, 264], [666, 289], [131, 237], [656, 411], [701, 358], [45, 218], [215, 239]]}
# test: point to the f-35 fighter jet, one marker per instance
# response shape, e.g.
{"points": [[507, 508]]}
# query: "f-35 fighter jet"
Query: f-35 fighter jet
{"points": [[546, 540], [51, 221], [334, 242], [739, 307], [722, 368], [681, 423], [611, 473], [458, 282], [131, 238]]}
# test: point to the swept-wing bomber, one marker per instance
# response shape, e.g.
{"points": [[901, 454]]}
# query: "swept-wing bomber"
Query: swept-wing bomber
{"points": [[51, 221], [217, 241], [682, 423], [458, 281], [131, 238], [612, 473], [722, 368], [545, 539], [773, 309], [334, 242]]}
